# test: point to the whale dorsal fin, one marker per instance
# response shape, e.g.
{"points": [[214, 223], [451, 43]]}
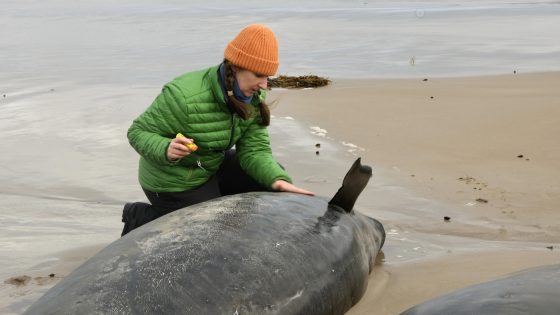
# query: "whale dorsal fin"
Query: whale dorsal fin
{"points": [[354, 182]]}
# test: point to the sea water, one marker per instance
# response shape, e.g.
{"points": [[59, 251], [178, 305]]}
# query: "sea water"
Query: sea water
{"points": [[153, 41]]}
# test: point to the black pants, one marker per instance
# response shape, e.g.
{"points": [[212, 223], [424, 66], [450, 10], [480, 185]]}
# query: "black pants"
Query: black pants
{"points": [[230, 179]]}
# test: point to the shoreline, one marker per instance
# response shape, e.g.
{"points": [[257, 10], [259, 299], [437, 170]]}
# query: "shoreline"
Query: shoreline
{"points": [[428, 76]]}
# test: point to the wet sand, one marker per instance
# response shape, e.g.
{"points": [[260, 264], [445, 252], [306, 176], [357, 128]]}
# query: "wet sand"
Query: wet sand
{"points": [[432, 157]]}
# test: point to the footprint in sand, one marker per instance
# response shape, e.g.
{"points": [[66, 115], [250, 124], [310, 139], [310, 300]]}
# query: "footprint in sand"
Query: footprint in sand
{"points": [[25, 279], [18, 281]]}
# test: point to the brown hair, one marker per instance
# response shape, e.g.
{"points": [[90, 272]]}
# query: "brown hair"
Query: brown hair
{"points": [[243, 110]]}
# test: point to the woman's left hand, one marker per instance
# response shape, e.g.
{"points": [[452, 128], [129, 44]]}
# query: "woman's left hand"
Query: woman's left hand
{"points": [[282, 185]]}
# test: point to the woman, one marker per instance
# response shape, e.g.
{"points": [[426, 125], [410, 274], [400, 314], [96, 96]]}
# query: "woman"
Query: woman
{"points": [[216, 109]]}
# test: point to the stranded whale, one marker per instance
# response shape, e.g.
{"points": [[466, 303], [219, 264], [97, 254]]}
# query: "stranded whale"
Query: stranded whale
{"points": [[534, 291], [252, 253]]}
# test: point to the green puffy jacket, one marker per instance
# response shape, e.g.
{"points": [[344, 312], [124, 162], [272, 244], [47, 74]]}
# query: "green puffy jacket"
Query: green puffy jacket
{"points": [[194, 105]]}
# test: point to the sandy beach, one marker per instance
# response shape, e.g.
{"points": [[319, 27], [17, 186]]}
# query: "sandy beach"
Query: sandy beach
{"points": [[455, 141], [436, 146]]}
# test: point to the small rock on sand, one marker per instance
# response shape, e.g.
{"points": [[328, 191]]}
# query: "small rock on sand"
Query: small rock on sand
{"points": [[446, 219], [482, 200], [467, 179]]}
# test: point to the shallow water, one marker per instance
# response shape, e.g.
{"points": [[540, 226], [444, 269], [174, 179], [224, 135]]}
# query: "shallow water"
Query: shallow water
{"points": [[153, 41]]}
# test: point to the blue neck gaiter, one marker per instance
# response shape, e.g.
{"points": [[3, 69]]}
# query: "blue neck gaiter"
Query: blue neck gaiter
{"points": [[236, 91]]}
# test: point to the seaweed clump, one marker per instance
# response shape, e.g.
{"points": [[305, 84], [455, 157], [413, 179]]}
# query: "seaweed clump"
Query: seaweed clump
{"points": [[292, 82]]}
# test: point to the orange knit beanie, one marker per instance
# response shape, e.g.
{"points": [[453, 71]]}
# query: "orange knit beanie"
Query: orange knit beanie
{"points": [[255, 48]]}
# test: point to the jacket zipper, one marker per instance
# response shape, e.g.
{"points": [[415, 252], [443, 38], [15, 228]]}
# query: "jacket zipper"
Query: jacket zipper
{"points": [[232, 133], [230, 144], [199, 164]]}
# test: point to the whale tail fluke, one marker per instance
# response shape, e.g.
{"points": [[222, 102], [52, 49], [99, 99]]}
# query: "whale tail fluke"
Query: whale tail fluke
{"points": [[353, 184]]}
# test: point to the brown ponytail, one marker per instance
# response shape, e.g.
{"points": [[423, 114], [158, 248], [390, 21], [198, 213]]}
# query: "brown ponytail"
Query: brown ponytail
{"points": [[243, 110]]}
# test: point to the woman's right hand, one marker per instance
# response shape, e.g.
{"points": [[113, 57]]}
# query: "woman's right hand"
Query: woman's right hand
{"points": [[177, 148]]}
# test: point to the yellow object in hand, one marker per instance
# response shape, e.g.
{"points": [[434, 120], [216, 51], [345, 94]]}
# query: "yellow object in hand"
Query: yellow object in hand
{"points": [[191, 146]]}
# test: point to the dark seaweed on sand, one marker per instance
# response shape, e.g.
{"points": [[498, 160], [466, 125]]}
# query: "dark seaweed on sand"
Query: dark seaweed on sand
{"points": [[291, 82]]}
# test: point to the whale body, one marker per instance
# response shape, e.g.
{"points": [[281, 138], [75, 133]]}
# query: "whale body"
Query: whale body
{"points": [[252, 253], [535, 291]]}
